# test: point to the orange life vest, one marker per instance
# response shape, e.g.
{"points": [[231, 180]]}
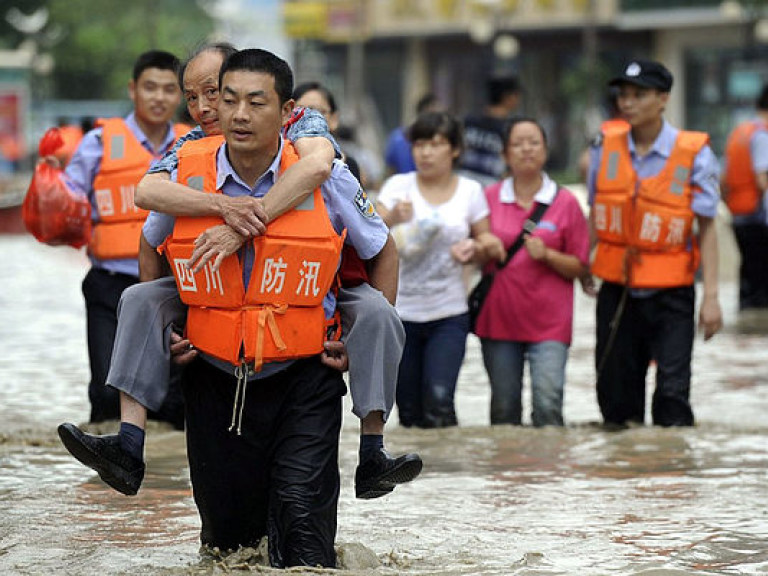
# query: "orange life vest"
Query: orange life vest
{"points": [[123, 164], [742, 195], [613, 124], [280, 315], [644, 226], [181, 129]]}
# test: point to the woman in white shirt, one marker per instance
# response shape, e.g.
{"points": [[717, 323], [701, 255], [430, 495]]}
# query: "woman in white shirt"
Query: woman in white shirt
{"points": [[440, 221]]}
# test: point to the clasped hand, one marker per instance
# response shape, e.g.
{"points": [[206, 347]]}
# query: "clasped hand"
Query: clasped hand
{"points": [[245, 214], [215, 243]]}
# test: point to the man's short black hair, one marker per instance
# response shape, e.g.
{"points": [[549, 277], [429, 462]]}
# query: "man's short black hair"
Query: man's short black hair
{"points": [[257, 60], [762, 100], [500, 87], [224, 48], [426, 102], [155, 59], [305, 87]]}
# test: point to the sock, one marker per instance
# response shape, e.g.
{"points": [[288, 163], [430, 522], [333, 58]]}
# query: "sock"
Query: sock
{"points": [[370, 443], [132, 440]]}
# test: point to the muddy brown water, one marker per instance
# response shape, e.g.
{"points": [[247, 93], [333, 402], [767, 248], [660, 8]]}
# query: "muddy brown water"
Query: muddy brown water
{"points": [[491, 500]]}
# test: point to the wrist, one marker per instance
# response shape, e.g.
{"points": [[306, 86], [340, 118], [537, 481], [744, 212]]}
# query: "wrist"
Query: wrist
{"points": [[267, 211], [217, 203]]}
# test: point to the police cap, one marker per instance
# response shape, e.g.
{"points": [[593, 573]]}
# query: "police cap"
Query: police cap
{"points": [[645, 73]]}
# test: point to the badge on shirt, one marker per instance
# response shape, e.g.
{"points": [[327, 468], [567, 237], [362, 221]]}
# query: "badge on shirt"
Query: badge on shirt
{"points": [[547, 225], [364, 204]]}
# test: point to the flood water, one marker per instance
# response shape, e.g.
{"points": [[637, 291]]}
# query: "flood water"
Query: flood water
{"points": [[491, 500]]}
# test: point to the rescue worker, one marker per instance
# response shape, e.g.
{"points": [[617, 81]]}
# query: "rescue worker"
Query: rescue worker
{"points": [[648, 184], [263, 414], [149, 311], [106, 167], [745, 183]]}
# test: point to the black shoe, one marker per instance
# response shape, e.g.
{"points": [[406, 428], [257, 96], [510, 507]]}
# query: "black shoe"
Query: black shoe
{"points": [[120, 470], [378, 474]]}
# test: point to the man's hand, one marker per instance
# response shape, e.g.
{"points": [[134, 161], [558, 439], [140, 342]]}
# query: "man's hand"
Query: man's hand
{"points": [[217, 243], [335, 355], [182, 351], [245, 214], [588, 285], [51, 160], [710, 317]]}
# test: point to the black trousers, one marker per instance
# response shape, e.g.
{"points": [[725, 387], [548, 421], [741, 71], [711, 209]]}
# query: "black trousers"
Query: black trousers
{"points": [[752, 240], [102, 291], [280, 476], [659, 327]]}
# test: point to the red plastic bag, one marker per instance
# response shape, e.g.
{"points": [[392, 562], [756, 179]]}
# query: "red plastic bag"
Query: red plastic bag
{"points": [[51, 212]]}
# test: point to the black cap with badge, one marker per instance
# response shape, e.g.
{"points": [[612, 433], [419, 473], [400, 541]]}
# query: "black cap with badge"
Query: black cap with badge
{"points": [[645, 73]]}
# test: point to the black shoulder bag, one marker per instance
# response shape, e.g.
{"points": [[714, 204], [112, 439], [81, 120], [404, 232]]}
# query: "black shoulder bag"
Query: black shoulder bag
{"points": [[483, 287]]}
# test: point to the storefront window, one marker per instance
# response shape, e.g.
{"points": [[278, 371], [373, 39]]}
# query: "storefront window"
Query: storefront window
{"points": [[721, 89]]}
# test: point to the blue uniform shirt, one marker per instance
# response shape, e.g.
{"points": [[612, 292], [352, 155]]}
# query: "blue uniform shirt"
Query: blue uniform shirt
{"points": [[83, 168], [347, 205], [705, 177]]}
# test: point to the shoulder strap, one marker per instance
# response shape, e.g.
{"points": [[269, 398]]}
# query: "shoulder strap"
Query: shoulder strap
{"points": [[528, 227]]}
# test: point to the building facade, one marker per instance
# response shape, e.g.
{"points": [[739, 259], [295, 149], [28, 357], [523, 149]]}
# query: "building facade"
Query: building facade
{"points": [[380, 56]]}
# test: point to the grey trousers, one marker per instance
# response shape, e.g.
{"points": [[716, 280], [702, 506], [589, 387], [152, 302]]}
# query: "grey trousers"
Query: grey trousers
{"points": [[374, 337], [141, 356], [140, 366]]}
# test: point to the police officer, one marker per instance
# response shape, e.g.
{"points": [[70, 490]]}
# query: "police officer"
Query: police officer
{"points": [[106, 167], [745, 183], [263, 442], [648, 183]]}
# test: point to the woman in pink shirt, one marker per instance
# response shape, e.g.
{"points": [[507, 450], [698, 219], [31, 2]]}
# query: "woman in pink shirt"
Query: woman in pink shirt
{"points": [[529, 310]]}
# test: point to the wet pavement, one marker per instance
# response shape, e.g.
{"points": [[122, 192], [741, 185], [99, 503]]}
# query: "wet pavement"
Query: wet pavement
{"points": [[491, 500]]}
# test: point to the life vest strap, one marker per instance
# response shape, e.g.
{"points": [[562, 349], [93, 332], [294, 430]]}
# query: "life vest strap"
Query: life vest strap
{"points": [[267, 319]]}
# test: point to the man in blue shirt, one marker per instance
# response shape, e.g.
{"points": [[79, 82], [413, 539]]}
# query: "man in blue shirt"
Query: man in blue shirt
{"points": [[646, 252], [271, 479], [482, 158], [155, 94], [745, 191], [151, 310]]}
